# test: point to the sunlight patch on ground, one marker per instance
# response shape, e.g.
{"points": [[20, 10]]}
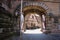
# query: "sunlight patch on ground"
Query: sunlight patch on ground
{"points": [[33, 31]]}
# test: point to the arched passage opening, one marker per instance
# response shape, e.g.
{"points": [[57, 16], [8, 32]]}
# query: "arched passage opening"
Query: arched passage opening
{"points": [[36, 15], [38, 8]]}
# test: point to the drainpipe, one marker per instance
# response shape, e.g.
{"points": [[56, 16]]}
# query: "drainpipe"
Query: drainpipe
{"points": [[21, 15], [20, 19]]}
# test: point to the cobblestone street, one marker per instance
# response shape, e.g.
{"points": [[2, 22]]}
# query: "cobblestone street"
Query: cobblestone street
{"points": [[40, 36]]}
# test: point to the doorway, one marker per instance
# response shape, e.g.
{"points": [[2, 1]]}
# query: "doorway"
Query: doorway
{"points": [[34, 17]]}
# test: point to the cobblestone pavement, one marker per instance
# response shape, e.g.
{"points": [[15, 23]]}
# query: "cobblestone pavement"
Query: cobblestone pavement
{"points": [[40, 36]]}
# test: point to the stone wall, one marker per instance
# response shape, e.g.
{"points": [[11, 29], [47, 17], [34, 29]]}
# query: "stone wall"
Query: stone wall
{"points": [[53, 8]]}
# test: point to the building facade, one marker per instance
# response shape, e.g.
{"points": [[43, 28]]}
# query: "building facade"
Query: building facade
{"points": [[49, 8]]}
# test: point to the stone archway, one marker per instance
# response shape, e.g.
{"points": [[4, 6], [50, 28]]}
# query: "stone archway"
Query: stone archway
{"points": [[35, 9], [39, 7]]}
